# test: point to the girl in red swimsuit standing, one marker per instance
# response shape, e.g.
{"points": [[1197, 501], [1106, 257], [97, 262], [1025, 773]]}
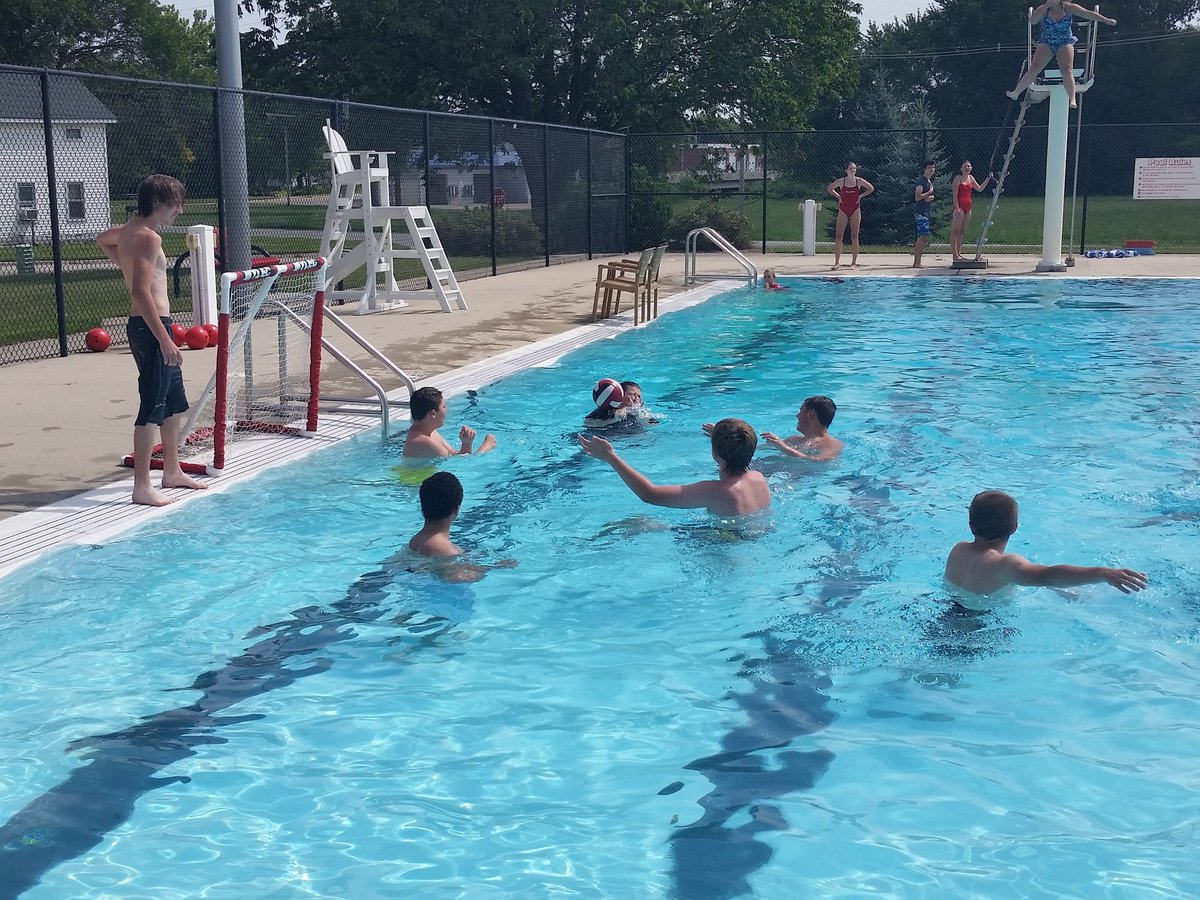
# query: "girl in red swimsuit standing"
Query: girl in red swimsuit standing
{"points": [[961, 188], [849, 192]]}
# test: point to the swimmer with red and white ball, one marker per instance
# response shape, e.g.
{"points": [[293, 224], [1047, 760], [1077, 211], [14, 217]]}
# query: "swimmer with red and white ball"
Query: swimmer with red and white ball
{"points": [[618, 402]]}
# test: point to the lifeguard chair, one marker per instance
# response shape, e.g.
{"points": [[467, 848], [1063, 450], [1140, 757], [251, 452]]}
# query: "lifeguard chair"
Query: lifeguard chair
{"points": [[1048, 84], [360, 210]]}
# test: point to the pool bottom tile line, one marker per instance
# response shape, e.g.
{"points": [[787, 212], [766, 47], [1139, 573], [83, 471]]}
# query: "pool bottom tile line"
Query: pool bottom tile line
{"points": [[102, 513]]}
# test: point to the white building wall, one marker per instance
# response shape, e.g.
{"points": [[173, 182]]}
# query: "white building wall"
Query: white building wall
{"points": [[83, 160]]}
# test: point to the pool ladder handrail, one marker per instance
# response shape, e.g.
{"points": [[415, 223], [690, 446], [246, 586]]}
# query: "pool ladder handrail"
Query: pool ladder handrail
{"points": [[381, 397], [690, 275]]}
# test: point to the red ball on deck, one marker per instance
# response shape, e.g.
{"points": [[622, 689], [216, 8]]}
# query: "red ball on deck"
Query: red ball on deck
{"points": [[197, 337], [178, 334], [607, 393], [98, 340], [213, 334]]}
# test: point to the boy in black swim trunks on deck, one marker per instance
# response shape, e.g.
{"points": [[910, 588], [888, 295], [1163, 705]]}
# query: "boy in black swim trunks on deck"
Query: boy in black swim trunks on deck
{"points": [[136, 249]]}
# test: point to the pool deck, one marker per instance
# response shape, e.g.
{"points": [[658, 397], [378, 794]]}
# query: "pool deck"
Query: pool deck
{"points": [[67, 422]]}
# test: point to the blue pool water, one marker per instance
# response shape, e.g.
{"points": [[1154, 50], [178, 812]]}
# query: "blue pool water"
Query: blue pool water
{"points": [[250, 698]]}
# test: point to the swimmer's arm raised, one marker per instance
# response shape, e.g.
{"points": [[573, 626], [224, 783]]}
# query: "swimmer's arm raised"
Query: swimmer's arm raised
{"points": [[674, 496], [1085, 13], [1022, 571], [783, 446]]}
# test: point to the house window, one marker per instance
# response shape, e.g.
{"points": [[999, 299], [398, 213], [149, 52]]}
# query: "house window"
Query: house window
{"points": [[76, 208], [74, 134], [26, 194]]}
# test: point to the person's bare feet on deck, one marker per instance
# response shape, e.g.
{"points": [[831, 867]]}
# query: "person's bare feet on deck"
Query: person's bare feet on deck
{"points": [[183, 480], [151, 497]]}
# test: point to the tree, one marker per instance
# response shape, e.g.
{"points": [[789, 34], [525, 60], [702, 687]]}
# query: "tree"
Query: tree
{"points": [[648, 65], [941, 56], [112, 37], [890, 143]]}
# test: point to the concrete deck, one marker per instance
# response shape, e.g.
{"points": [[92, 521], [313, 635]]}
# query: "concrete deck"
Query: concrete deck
{"points": [[68, 421]]}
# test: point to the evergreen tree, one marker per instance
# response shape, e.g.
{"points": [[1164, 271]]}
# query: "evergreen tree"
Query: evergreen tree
{"points": [[890, 144]]}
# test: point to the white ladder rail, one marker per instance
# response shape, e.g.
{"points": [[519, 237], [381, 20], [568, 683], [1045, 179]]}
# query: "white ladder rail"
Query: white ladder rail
{"points": [[691, 276]]}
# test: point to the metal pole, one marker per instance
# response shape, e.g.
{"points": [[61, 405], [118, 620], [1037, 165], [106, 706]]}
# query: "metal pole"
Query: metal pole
{"points": [[546, 191], [427, 152], [235, 236], [219, 184], [589, 194], [628, 188], [60, 300], [287, 161], [763, 163], [492, 185], [1087, 183]]}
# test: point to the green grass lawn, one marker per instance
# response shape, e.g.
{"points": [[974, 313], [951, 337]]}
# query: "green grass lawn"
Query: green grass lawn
{"points": [[94, 295], [1018, 225]]}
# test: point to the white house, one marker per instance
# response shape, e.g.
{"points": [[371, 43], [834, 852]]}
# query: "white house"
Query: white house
{"points": [[79, 122]]}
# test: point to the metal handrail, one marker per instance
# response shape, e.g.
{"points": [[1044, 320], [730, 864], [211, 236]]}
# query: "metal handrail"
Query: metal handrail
{"points": [[690, 276], [372, 383]]}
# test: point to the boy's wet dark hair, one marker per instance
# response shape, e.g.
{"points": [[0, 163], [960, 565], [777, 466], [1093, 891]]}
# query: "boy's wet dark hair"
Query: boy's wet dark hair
{"points": [[993, 515], [441, 496], [158, 191], [424, 401], [825, 409], [734, 442], [928, 163]]}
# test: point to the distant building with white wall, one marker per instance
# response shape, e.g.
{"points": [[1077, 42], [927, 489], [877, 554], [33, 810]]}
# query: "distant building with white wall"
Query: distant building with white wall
{"points": [[79, 122]]}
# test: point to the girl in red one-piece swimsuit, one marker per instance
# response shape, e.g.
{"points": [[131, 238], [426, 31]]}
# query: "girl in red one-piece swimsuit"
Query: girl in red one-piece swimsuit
{"points": [[961, 188], [849, 192]]}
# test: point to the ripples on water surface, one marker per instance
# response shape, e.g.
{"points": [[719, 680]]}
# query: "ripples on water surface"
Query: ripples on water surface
{"points": [[246, 700]]}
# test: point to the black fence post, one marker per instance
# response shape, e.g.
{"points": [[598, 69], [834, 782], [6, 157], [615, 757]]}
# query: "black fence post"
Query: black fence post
{"points": [[216, 132], [628, 188], [763, 163], [335, 120], [546, 191], [1087, 182], [60, 299], [492, 185], [428, 143], [589, 194]]}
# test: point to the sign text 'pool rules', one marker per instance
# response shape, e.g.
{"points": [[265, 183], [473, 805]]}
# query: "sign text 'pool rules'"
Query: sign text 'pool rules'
{"points": [[1167, 178]]}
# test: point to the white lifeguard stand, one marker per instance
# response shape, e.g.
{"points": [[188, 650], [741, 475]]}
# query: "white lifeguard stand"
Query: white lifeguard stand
{"points": [[359, 210], [1049, 84]]}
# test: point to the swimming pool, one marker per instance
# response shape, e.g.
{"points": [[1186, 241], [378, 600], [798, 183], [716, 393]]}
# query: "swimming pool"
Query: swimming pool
{"points": [[247, 699]]}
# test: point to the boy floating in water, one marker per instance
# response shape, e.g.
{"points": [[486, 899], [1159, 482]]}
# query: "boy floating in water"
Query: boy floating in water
{"points": [[982, 567], [428, 409], [736, 492]]}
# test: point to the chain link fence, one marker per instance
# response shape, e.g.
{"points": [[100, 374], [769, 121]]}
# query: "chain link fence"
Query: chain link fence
{"points": [[751, 186], [504, 195]]}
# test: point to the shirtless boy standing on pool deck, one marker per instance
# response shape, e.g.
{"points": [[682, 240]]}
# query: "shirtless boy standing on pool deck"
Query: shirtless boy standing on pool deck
{"points": [[428, 409], [982, 567], [136, 249], [736, 492]]}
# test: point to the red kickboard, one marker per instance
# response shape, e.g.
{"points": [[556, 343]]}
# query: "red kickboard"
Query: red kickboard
{"points": [[1136, 245]]}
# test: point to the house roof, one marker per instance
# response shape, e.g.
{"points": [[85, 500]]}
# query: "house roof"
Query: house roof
{"points": [[70, 101]]}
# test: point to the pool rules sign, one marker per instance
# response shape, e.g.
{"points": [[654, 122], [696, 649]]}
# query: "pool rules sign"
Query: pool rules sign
{"points": [[1167, 178]]}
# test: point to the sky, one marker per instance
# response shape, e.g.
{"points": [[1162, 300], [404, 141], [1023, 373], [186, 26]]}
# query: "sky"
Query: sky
{"points": [[873, 10]]}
